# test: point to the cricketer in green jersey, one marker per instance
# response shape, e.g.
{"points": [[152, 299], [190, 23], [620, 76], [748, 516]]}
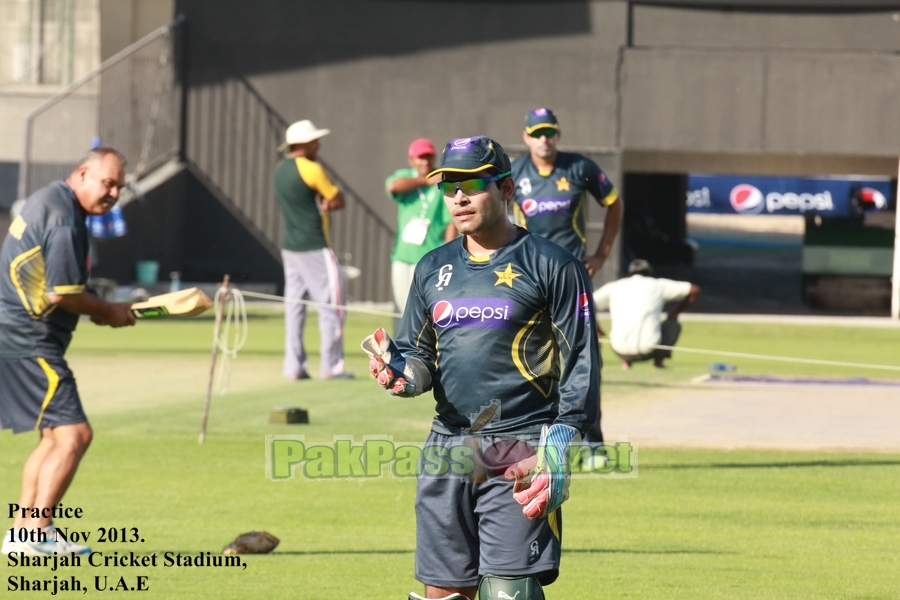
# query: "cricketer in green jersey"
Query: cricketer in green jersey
{"points": [[551, 187], [500, 325], [44, 270]]}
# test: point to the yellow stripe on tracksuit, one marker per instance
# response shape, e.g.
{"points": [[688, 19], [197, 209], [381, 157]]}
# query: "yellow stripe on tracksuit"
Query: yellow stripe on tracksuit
{"points": [[519, 216], [26, 271], [553, 522], [52, 384], [68, 289]]}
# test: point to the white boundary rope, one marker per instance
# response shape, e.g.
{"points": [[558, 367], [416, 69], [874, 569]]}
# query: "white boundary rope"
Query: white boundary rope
{"points": [[369, 311], [229, 342], [808, 361], [789, 359]]}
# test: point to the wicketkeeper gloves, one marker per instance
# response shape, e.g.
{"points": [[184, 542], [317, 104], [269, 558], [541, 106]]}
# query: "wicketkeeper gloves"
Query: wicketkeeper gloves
{"points": [[542, 481], [398, 374]]}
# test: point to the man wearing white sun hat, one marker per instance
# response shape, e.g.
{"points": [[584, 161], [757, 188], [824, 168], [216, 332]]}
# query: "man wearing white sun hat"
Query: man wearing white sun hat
{"points": [[307, 196]]}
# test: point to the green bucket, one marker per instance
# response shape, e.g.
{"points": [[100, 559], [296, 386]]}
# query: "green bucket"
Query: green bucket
{"points": [[147, 271]]}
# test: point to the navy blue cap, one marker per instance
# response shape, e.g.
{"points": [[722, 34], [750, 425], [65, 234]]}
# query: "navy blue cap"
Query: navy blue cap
{"points": [[540, 118], [473, 155]]}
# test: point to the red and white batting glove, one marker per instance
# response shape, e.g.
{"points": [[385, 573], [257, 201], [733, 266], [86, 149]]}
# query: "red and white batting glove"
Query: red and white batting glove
{"points": [[541, 482], [399, 375]]}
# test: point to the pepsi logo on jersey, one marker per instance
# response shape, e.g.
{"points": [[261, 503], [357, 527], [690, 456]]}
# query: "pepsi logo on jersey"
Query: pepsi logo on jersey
{"points": [[532, 206], [584, 306], [472, 312]]}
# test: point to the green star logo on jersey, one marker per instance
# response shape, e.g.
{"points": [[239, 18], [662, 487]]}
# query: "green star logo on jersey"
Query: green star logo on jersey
{"points": [[562, 184], [506, 276]]}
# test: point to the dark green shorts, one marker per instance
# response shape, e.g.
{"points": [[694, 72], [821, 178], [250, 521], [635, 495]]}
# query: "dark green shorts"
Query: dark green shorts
{"points": [[465, 530], [38, 393]]}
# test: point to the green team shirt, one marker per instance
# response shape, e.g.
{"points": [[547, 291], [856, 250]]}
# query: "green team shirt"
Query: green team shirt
{"points": [[45, 251], [515, 332], [300, 184], [553, 204], [425, 202]]}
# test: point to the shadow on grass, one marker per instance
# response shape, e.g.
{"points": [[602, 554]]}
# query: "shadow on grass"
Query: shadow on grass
{"points": [[337, 552], [782, 465], [565, 551], [205, 352], [627, 551], [645, 384]]}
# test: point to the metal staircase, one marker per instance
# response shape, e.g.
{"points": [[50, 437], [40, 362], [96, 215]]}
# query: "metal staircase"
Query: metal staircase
{"points": [[142, 102]]}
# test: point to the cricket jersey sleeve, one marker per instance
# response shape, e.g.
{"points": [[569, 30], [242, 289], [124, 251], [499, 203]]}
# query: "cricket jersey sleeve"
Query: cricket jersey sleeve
{"points": [[416, 336], [572, 312], [65, 269], [314, 175], [598, 184]]}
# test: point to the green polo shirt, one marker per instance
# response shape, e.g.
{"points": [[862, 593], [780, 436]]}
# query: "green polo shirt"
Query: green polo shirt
{"points": [[425, 202]]}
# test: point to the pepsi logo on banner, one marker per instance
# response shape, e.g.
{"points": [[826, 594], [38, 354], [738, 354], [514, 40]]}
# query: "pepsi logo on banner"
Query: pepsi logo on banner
{"points": [[747, 199], [837, 196], [872, 198]]}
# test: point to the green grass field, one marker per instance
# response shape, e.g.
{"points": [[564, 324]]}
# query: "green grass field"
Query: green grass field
{"points": [[693, 524]]}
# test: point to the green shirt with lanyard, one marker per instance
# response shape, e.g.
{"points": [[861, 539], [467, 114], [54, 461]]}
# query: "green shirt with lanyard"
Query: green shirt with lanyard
{"points": [[422, 219]]}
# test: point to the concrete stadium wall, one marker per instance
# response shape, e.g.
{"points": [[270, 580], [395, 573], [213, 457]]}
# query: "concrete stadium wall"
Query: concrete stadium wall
{"points": [[123, 22], [799, 87], [381, 73], [723, 81], [655, 81]]}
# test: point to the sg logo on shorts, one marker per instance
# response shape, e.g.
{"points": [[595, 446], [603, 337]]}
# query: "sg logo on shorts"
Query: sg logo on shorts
{"points": [[472, 312]]}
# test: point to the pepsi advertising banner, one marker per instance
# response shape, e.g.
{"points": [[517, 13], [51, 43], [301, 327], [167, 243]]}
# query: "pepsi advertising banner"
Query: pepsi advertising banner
{"points": [[833, 197]]}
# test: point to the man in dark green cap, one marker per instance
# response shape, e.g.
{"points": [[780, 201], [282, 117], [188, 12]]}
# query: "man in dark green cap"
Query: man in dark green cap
{"points": [[551, 188], [500, 326]]}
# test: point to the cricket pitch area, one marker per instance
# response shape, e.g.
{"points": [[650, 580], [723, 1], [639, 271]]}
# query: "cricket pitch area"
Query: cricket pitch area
{"points": [[744, 489]]}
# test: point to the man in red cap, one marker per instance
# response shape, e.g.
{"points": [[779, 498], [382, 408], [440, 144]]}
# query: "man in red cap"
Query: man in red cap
{"points": [[423, 222]]}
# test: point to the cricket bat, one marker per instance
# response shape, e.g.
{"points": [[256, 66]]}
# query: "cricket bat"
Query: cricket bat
{"points": [[186, 303], [478, 472]]}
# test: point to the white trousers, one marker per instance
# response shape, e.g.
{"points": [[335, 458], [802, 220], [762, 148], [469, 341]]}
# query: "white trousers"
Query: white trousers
{"points": [[314, 275], [401, 280]]}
